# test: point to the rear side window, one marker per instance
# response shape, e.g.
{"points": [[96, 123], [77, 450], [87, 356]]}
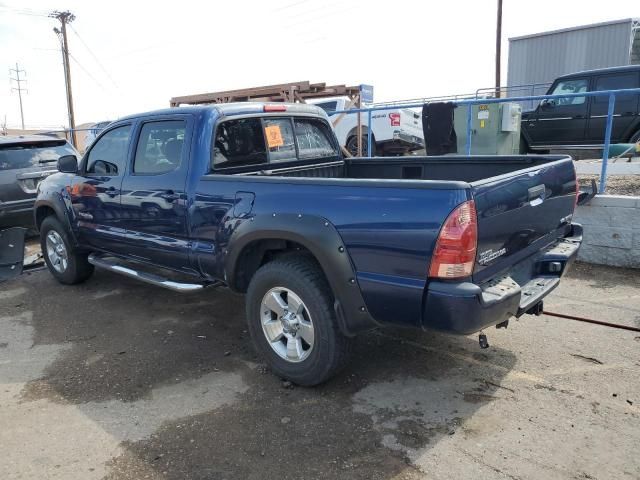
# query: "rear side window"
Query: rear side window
{"points": [[159, 147], [108, 155], [314, 140], [14, 157], [239, 143], [280, 139], [617, 82]]}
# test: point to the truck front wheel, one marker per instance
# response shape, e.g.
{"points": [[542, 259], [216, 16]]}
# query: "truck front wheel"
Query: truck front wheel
{"points": [[65, 263], [292, 322]]}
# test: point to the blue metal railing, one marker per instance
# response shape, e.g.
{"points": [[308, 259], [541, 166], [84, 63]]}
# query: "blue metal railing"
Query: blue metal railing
{"points": [[611, 94]]}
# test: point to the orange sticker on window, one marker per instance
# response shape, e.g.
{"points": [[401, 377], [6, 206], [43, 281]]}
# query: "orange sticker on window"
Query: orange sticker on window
{"points": [[274, 136]]}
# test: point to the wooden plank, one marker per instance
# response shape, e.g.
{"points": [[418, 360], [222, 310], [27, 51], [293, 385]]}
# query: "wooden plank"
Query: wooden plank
{"points": [[288, 92], [349, 105]]}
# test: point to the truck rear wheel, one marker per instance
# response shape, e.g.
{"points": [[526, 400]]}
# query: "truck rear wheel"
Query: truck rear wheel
{"points": [[292, 322], [65, 263], [352, 146]]}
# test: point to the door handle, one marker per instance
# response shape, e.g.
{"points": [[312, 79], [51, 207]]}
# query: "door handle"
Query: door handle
{"points": [[112, 192], [579, 116], [169, 196], [536, 194]]}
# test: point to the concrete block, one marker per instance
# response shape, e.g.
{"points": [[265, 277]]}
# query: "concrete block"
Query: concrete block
{"points": [[592, 215], [615, 201], [593, 254], [619, 257], [624, 217], [635, 244], [616, 237]]}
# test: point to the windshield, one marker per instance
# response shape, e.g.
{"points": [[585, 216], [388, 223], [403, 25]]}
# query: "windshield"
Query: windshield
{"points": [[16, 156]]}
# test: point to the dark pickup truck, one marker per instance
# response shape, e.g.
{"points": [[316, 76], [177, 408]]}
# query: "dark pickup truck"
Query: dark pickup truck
{"points": [[258, 198]]}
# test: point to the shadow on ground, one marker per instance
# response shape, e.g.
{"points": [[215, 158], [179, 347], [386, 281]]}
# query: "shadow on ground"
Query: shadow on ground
{"points": [[136, 362]]}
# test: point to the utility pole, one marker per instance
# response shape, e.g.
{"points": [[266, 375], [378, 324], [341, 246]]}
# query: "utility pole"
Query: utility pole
{"points": [[498, 47], [19, 88], [65, 18]]}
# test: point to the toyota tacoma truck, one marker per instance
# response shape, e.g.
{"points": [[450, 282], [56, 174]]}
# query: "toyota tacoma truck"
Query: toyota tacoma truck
{"points": [[258, 198]]}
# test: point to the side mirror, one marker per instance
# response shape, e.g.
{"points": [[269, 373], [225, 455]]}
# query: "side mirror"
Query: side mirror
{"points": [[68, 164], [546, 104]]}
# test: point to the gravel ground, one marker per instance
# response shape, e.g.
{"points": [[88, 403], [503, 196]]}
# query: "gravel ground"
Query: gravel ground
{"points": [[616, 184], [119, 380]]}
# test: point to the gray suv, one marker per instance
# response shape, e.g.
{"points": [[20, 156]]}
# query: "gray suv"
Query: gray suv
{"points": [[24, 162]]}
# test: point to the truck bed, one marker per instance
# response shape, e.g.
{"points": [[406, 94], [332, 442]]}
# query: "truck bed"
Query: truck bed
{"points": [[524, 205], [449, 168]]}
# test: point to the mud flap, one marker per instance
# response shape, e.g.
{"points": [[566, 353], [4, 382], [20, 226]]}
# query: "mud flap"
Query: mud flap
{"points": [[11, 252]]}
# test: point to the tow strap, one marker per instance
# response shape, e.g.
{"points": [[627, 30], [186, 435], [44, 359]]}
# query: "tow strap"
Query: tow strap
{"points": [[589, 320]]}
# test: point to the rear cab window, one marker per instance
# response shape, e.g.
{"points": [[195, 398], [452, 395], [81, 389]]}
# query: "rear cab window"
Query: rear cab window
{"points": [[252, 142]]}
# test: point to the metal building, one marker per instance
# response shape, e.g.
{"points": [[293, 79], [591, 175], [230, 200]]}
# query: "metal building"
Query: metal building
{"points": [[541, 57]]}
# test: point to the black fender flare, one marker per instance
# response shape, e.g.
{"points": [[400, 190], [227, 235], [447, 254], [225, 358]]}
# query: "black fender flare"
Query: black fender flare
{"points": [[55, 202], [322, 239]]}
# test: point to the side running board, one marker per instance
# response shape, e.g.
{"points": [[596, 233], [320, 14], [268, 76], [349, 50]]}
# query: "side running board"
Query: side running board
{"points": [[112, 265]]}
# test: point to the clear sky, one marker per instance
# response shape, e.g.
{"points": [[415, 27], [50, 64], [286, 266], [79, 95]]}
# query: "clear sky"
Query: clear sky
{"points": [[141, 53]]}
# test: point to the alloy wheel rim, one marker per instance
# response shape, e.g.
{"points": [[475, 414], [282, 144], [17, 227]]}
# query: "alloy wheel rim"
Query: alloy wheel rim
{"points": [[287, 324], [57, 252]]}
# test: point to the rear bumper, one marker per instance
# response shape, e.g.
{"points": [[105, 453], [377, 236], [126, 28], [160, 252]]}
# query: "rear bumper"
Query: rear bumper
{"points": [[464, 308], [405, 140]]}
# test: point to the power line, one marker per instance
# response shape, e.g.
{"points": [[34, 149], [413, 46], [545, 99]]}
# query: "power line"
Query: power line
{"points": [[24, 11], [88, 73], [94, 57], [19, 88]]}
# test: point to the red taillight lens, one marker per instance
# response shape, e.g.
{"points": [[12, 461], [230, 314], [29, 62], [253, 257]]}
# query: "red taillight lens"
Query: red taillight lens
{"points": [[575, 202], [274, 108], [395, 119], [455, 252]]}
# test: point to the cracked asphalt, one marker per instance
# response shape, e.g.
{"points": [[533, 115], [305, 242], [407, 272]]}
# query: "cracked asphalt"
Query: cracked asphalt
{"points": [[120, 380]]}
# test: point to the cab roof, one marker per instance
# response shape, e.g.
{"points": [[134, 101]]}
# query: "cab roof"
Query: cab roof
{"points": [[236, 108], [600, 71]]}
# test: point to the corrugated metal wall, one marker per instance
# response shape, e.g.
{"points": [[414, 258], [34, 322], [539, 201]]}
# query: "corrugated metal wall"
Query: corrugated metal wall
{"points": [[542, 58]]}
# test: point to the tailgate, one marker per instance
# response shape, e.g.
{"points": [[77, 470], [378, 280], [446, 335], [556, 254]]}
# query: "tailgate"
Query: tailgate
{"points": [[520, 213], [411, 122]]}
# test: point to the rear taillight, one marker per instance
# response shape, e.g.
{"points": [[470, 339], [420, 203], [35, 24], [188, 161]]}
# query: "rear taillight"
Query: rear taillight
{"points": [[395, 119], [455, 252], [575, 202]]}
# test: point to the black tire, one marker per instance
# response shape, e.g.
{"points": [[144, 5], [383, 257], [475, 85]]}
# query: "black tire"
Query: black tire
{"points": [[331, 349], [78, 269], [352, 146]]}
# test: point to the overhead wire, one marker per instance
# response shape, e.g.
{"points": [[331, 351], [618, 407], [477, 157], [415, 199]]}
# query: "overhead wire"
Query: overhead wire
{"points": [[23, 11], [95, 57]]}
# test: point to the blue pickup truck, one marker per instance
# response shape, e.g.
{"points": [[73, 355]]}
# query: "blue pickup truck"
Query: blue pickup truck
{"points": [[258, 198]]}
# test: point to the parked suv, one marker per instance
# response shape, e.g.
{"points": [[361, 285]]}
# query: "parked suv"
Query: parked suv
{"points": [[24, 162], [579, 122]]}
